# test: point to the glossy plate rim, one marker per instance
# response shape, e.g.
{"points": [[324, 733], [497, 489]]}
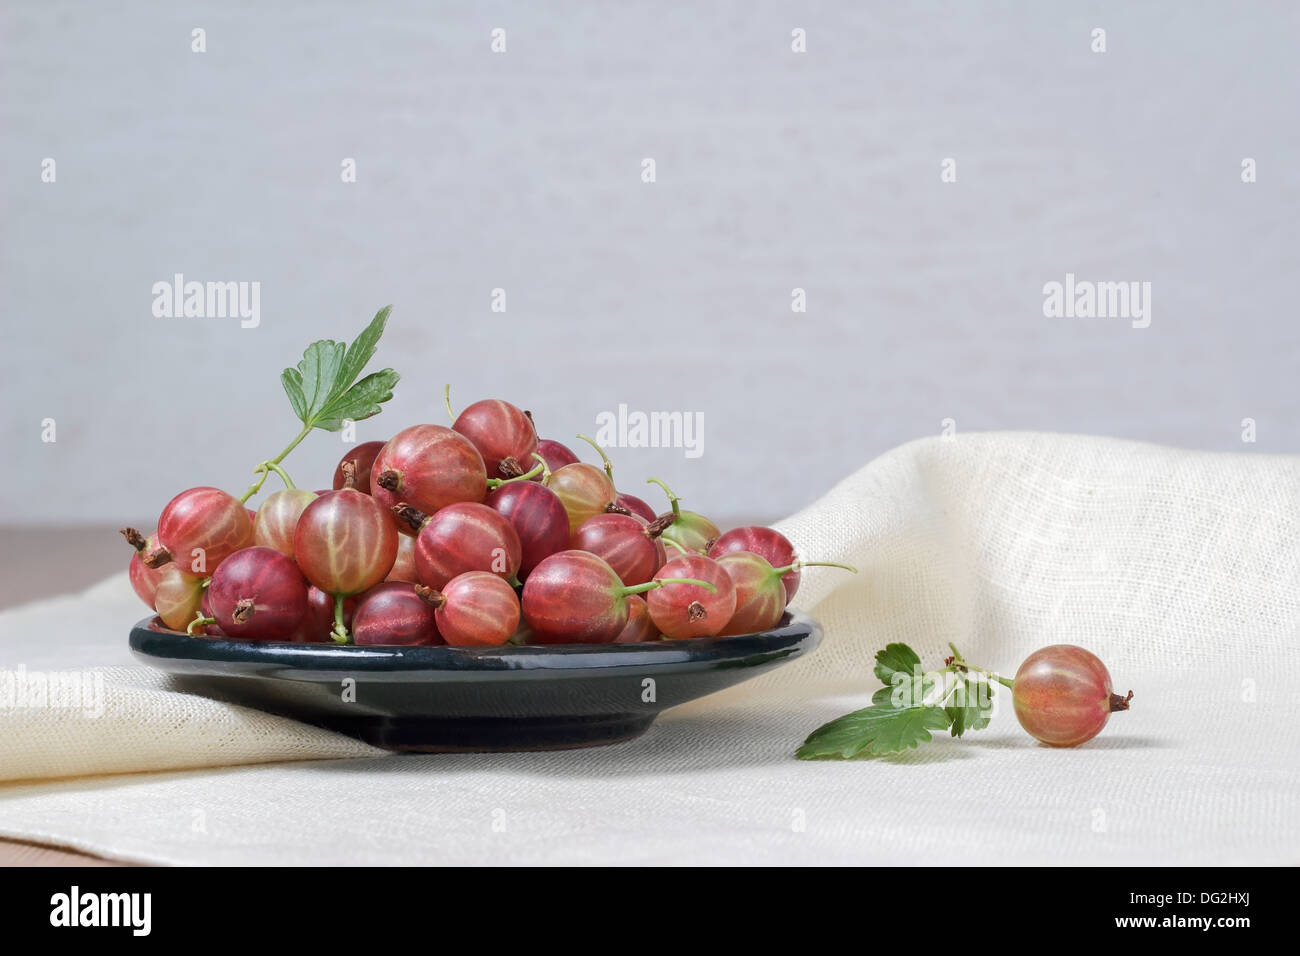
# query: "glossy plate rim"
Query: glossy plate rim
{"points": [[179, 652]]}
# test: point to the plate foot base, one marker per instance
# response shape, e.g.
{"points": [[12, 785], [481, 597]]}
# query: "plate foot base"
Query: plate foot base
{"points": [[491, 734]]}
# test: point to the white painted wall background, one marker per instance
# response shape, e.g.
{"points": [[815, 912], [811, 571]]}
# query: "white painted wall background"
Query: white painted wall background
{"points": [[521, 171]]}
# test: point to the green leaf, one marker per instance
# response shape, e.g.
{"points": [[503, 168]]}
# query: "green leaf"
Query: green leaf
{"points": [[884, 697], [324, 390], [360, 401], [317, 372], [964, 710], [874, 731], [291, 378], [896, 658], [362, 350]]}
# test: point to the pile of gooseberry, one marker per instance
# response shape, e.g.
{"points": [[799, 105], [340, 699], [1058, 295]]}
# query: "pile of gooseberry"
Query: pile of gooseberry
{"points": [[472, 535]]}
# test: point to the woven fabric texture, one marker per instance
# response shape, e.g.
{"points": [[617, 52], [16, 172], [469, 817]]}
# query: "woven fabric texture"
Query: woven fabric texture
{"points": [[1181, 570]]}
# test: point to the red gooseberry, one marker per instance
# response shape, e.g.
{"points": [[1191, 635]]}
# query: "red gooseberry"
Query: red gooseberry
{"points": [[584, 491], [462, 537], [362, 457], [1062, 695], [144, 579], [428, 467], [555, 454], [277, 518], [623, 503], [538, 517], [639, 629], [681, 610], [503, 434], [575, 597], [474, 609], [630, 546], [767, 543], [345, 542], [178, 598], [760, 590], [394, 614], [199, 529], [259, 594], [404, 564]]}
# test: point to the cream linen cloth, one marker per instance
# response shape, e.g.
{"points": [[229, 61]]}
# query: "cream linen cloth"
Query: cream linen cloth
{"points": [[1181, 570]]}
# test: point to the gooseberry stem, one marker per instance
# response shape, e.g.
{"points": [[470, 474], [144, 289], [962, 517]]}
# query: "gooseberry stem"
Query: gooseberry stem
{"points": [[672, 498], [526, 476], [349, 469], [797, 565], [430, 595], [135, 539], [679, 548], [657, 527], [199, 621], [609, 467], [660, 582], [340, 632], [546, 469], [256, 486], [284, 475], [958, 663], [446, 400], [266, 467]]}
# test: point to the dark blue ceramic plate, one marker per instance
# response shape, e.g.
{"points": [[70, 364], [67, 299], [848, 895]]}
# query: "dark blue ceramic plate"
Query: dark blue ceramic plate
{"points": [[458, 699]]}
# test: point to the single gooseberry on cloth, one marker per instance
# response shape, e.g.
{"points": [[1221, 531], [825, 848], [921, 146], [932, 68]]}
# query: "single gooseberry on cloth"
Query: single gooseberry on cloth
{"points": [[1062, 694]]}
